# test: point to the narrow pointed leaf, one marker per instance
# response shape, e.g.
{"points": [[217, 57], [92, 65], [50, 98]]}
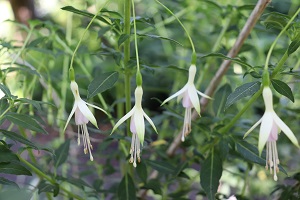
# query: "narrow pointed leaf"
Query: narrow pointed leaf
{"points": [[126, 190], [25, 121], [283, 88], [245, 90], [220, 99], [19, 138], [236, 60], [5, 181], [101, 83], [6, 155], [14, 168], [61, 154], [294, 45], [250, 153], [159, 37], [161, 166], [210, 174]]}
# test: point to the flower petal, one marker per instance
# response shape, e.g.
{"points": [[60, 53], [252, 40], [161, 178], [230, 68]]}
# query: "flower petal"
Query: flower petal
{"points": [[204, 95], [252, 128], [175, 95], [150, 121], [86, 112], [71, 114], [265, 130], [96, 107], [123, 119], [287, 131], [194, 98], [139, 124]]}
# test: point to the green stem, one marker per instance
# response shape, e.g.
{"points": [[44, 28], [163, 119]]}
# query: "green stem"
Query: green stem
{"points": [[187, 33], [48, 178], [275, 41], [226, 128], [278, 67], [138, 73], [86, 29], [23, 47], [245, 182], [127, 14]]}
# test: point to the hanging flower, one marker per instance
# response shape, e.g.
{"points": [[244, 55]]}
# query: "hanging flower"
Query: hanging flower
{"points": [[271, 125], [82, 116], [137, 126], [190, 100]]}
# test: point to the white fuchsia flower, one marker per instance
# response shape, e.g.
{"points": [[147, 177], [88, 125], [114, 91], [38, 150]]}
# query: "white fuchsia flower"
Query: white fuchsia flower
{"points": [[189, 96], [82, 116], [271, 126], [137, 125]]}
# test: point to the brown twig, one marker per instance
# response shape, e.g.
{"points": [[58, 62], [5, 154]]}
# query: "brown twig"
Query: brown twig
{"points": [[256, 13]]}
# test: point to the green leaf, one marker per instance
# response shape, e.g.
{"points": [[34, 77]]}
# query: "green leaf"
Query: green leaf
{"points": [[84, 13], [25, 121], [14, 168], [210, 174], [220, 99], [5, 181], [161, 166], [5, 90], [250, 153], [159, 37], [74, 181], [295, 44], [141, 170], [236, 60], [7, 155], [122, 39], [126, 189], [101, 83], [154, 185], [44, 186], [61, 154], [275, 20], [19, 138], [245, 90], [283, 89], [224, 148]]}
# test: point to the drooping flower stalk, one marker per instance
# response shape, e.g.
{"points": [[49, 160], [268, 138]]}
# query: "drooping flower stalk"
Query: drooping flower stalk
{"points": [[82, 116]]}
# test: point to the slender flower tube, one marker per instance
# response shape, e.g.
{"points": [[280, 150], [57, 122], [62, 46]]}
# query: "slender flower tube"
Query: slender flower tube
{"points": [[82, 116], [190, 100], [271, 126], [137, 126]]}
